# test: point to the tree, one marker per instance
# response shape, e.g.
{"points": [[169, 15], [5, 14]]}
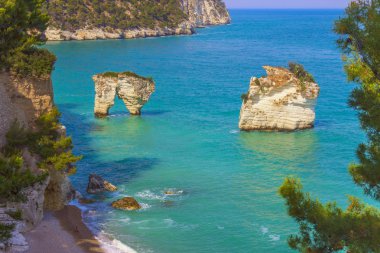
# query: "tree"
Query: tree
{"points": [[21, 24], [328, 228]]}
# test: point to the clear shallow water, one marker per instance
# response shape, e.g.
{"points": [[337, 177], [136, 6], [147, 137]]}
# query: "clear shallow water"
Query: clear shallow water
{"points": [[188, 137]]}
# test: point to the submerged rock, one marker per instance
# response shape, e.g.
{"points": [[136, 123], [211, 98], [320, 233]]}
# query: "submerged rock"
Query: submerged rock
{"points": [[173, 192], [127, 203], [97, 184], [133, 89], [280, 101]]}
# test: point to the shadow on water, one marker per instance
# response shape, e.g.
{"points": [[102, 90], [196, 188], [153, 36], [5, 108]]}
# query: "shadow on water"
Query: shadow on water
{"points": [[82, 131], [145, 113]]}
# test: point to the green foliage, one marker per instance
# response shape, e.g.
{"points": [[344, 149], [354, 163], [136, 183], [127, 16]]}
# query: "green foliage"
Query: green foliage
{"points": [[22, 23], [33, 62], [52, 147], [17, 215], [14, 178], [360, 32], [5, 232], [299, 71], [125, 14], [360, 40], [328, 228], [126, 73]]}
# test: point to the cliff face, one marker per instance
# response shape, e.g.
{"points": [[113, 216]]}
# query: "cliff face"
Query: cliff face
{"points": [[279, 101], [206, 12], [134, 90], [24, 99], [125, 19]]}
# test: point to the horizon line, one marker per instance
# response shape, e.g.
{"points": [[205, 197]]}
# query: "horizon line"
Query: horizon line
{"points": [[295, 8]]}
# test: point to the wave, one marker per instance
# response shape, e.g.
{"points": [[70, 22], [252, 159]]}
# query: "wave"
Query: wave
{"points": [[108, 244]]}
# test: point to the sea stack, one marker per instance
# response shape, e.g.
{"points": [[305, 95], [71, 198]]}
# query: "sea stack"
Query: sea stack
{"points": [[133, 89], [282, 101]]}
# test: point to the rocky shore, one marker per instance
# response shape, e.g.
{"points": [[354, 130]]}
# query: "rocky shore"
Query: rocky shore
{"points": [[198, 13]]}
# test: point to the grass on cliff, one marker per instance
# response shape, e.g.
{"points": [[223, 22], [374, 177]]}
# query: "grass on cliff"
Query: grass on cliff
{"points": [[126, 73], [125, 14]]}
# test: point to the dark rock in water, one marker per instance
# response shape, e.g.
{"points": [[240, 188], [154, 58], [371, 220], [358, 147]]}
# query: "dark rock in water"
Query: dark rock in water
{"points": [[97, 184], [127, 203], [168, 203]]}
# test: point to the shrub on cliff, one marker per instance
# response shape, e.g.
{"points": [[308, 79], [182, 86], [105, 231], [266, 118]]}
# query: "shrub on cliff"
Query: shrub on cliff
{"points": [[46, 141], [328, 228], [14, 178], [299, 71], [5, 232]]}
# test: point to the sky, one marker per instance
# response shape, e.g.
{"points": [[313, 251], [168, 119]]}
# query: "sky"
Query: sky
{"points": [[290, 4]]}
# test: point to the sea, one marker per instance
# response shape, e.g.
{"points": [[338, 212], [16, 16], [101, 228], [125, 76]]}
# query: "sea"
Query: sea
{"points": [[187, 139]]}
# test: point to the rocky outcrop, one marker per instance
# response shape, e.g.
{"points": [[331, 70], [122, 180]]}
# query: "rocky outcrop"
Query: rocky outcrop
{"points": [[280, 101], [206, 12], [127, 203], [31, 214], [87, 33], [32, 208], [198, 13], [59, 192], [97, 184], [134, 90], [22, 99]]}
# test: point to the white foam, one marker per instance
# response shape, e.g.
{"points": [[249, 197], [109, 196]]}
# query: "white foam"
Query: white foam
{"points": [[149, 195], [234, 131], [274, 237], [264, 230], [145, 206], [113, 246], [109, 245]]}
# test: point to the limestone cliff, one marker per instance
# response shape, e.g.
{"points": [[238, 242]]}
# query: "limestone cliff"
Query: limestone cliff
{"points": [[24, 100], [91, 20], [134, 90], [206, 12], [280, 101]]}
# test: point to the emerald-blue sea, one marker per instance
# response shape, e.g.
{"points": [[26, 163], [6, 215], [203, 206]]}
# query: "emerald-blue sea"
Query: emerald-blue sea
{"points": [[187, 138]]}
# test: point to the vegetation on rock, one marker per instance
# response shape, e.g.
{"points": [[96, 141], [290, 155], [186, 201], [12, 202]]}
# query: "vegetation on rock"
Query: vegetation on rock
{"points": [[46, 141], [14, 177], [5, 232], [299, 71], [329, 228], [126, 73], [71, 15]]}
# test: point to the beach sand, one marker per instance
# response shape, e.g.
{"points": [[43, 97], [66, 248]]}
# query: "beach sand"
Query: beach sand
{"points": [[62, 232]]}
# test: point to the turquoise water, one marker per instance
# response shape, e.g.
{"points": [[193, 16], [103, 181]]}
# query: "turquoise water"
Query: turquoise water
{"points": [[188, 139]]}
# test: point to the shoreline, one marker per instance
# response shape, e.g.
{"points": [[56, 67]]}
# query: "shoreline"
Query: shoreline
{"points": [[65, 232]]}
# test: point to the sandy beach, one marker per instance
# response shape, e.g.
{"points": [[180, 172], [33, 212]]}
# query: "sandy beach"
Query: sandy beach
{"points": [[62, 232]]}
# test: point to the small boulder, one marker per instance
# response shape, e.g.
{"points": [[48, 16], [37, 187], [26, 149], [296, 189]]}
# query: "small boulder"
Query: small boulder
{"points": [[97, 184], [127, 203]]}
